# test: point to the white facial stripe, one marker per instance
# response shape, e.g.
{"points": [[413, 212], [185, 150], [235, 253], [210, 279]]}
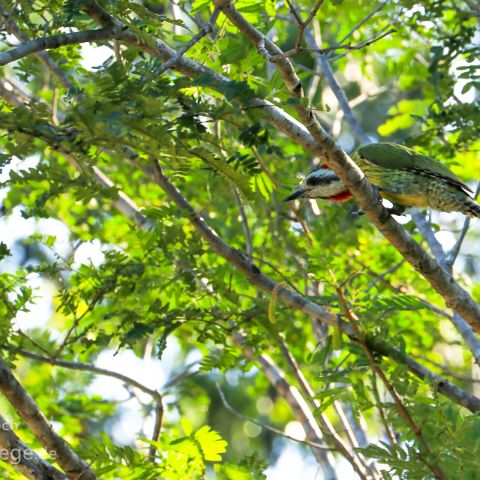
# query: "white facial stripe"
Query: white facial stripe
{"points": [[326, 190]]}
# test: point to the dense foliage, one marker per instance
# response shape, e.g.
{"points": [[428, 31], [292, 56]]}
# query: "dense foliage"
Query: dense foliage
{"points": [[84, 152]]}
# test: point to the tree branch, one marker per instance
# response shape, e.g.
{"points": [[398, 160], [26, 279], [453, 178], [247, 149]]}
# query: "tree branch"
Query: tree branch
{"points": [[428, 234], [452, 256], [356, 460], [52, 66], [337, 90], [16, 453], [87, 367], [296, 402], [204, 31], [56, 41], [56, 446], [263, 426]]}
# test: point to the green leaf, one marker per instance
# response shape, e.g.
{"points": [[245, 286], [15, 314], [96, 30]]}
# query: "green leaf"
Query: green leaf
{"points": [[211, 443]]}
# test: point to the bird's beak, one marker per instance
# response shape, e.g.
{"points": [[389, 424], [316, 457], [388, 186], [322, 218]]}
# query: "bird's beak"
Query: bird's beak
{"points": [[294, 195]]}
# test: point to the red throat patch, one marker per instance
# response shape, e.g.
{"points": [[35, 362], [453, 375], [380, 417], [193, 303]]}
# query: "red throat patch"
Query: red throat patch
{"points": [[341, 197]]}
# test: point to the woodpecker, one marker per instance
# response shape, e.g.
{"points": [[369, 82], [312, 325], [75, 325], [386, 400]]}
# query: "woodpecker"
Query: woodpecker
{"points": [[404, 177]]}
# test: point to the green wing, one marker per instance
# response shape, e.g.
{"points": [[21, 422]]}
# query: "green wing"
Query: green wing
{"points": [[398, 157]]}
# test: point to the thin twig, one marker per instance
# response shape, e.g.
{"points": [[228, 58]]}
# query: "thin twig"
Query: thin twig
{"points": [[374, 38], [244, 222], [322, 51], [185, 373], [33, 342], [362, 22], [55, 107], [264, 426], [204, 31], [383, 419], [302, 25], [338, 91], [118, 53], [402, 289], [76, 321], [157, 428], [381, 276]]}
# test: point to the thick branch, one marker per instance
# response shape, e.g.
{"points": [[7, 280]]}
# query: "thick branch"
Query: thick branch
{"points": [[55, 445], [324, 146], [23, 458], [44, 57], [56, 41]]}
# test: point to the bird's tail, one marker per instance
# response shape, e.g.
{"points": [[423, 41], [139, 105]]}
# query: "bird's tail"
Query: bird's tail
{"points": [[472, 209]]}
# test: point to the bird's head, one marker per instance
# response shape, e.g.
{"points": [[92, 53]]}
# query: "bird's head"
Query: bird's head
{"points": [[321, 183]]}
